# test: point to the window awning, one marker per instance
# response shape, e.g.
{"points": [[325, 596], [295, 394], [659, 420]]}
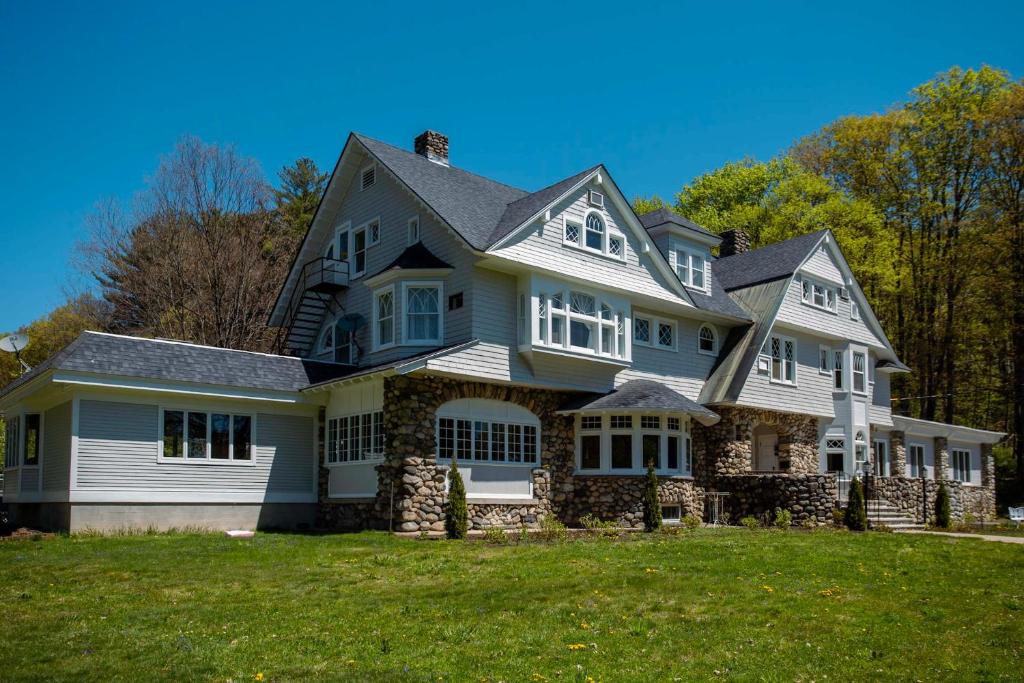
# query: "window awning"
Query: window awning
{"points": [[641, 395]]}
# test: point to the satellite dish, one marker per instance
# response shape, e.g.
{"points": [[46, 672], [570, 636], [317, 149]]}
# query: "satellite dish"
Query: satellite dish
{"points": [[13, 343], [351, 322]]}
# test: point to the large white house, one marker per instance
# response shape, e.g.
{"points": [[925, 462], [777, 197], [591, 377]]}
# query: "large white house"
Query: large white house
{"points": [[552, 342]]}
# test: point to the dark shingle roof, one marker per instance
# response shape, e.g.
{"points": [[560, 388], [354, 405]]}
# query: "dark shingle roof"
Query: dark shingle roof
{"points": [[520, 210], [718, 301], [642, 394], [111, 354], [472, 205], [768, 263], [415, 257], [653, 219]]}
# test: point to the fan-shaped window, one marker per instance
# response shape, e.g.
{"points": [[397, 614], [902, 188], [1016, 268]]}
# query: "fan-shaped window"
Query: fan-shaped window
{"points": [[327, 339], [595, 232], [707, 340]]}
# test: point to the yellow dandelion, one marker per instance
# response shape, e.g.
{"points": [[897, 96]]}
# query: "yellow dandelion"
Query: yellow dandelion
{"points": [[258, 676], [768, 588], [584, 625], [577, 646]]}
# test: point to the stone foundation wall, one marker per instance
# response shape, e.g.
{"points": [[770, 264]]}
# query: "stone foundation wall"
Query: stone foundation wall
{"points": [[909, 496], [805, 495], [726, 448], [620, 498]]}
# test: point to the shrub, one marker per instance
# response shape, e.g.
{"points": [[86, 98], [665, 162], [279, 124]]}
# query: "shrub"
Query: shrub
{"points": [[750, 522], [495, 535], [856, 518], [783, 519], [552, 530], [692, 521], [809, 522], [942, 507], [457, 520], [652, 505], [838, 518], [591, 522]]}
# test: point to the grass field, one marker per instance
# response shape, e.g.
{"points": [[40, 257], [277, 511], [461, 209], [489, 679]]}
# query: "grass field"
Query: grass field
{"points": [[728, 604]]}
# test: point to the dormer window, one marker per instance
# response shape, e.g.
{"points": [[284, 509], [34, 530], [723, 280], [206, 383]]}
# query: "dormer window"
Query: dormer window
{"points": [[690, 268], [818, 295]]}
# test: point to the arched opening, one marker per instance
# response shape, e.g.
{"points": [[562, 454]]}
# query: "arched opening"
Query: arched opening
{"points": [[765, 455]]}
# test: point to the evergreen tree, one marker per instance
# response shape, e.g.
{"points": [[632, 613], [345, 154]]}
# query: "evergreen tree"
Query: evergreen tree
{"points": [[942, 508], [652, 505], [302, 185], [457, 519], [856, 518]]}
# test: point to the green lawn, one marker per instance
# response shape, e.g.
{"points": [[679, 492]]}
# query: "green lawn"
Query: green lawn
{"points": [[732, 604]]}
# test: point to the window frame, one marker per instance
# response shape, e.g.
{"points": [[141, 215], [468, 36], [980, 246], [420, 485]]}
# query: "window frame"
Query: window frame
{"points": [[548, 317], [412, 227], [377, 433], [690, 254], [654, 324], [714, 339], [377, 343], [769, 345], [507, 437], [959, 473], [363, 185], [23, 438], [824, 353], [607, 235], [441, 305], [208, 459], [921, 466], [863, 373], [829, 294], [669, 426]]}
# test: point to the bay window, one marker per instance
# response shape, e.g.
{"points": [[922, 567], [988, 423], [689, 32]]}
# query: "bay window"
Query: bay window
{"points": [[196, 435], [580, 322], [355, 438], [626, 443]]}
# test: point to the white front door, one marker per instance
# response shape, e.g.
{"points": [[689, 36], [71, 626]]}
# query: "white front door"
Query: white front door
{"points": [[766, 459]]}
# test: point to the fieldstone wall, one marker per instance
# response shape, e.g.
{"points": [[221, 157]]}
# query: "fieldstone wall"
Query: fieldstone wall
{"points": [[898, 452], [726, 448], [807, 496], [528, 513], [620, 498], [988, 467], [941, 457], [916, 497]]}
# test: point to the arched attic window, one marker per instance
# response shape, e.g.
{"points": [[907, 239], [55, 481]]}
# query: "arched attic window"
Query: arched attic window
{"points": [[707, 340]]}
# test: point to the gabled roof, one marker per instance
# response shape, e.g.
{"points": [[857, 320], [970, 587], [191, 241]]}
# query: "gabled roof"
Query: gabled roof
{"points": [[641, 394], [114, 354], [768, 263], [663, 216], [471, 204], [520, 210], [414, 257]]}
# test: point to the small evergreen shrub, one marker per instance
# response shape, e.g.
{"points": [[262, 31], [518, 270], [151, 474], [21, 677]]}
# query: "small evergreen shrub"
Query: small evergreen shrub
{"points": [[838, 518], [652, 505], [783, 519], [943, 513], [750, 521], [457, 520], [856, 518], [692, 521]]}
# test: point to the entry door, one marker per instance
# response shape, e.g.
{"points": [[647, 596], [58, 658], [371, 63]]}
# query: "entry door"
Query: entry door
{"points": [[766, 459]]}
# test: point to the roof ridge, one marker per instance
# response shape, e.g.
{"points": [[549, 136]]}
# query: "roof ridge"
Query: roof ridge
{"points": [[774, 244], [181, 342], [557, 183]]}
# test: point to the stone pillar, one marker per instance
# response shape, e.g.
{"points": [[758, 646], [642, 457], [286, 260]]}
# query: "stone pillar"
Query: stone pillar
{"points": [[898, 453], [988, 466], [941, 458]]}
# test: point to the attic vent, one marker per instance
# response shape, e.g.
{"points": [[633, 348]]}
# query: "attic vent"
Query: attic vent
{"points": [[369, 177], [596, 199], [844, 294]]}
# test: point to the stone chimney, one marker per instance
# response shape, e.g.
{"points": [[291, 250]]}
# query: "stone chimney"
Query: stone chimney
{"points": [[733, 242], [432, 145]]}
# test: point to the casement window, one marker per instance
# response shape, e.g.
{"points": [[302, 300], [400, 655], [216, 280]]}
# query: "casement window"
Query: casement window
{"points": [[837, 370], [707, 340], [960, 461], [384, 318], [859, 376], [628, 442], [593, 235], [196, 435], [915, 460], [413, 230], [581, 322], [355, 438], [824, 360], [835, 454], [12, 435], [781, 354], [818, 295], [641, 331], [367, 178], [488, 441], [423, 322], [661, 334], [690, 268]]}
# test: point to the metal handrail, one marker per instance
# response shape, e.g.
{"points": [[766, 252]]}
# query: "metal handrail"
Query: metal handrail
{"points": [[313, 272]]}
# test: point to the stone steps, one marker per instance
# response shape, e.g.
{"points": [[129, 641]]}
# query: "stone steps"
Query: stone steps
{"points": [[882, 513]]}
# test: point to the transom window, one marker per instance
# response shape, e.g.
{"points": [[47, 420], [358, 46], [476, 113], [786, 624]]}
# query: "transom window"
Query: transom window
{"points": [[690, 268], [960, 460], [835, 454], [355, 438], [593, 235], [579, 321], [707, 340], [818, 295], [200, 435], [781, 353], [422, 313]]}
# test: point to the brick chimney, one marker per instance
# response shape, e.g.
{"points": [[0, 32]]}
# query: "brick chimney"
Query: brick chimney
{"points": [[733, 242], [432, 145]]}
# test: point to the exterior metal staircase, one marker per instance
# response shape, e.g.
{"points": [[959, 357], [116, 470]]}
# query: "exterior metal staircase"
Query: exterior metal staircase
{"points": [[319, 281], [881, 512]]}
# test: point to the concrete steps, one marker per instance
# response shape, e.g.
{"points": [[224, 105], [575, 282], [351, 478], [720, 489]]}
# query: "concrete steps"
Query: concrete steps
{"points": [[881, 512]]}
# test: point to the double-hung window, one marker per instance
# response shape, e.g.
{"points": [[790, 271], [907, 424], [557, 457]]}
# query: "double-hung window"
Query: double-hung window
{"points": [[824, 360], [915, 460], [384, 318], [355, 438], [960, 460], [859, 376], [781, 352], [196, 435], [690, 268], [707, 340], [594, 232], [423, 315], [837, 370], [11, 443]]}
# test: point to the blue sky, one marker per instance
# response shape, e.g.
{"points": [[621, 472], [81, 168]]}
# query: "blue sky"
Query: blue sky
{"points": [[91, 94]]}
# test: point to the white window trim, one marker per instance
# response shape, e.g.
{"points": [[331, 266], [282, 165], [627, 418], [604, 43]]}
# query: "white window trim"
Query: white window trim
{"points": [[346, 228], [375, 333], [606, 236], [491, 413], [970, 463], [362, 173], [441, 305], [638, 467], [854, 310], [827, 370], [411, 225], [923, 466], [207, 460], [679, 249], [796, 359], [809, 300], [714, 332], [542, 338], [370, 456], [22, 442], [863, 373], [364, 228], [654, 324]]}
